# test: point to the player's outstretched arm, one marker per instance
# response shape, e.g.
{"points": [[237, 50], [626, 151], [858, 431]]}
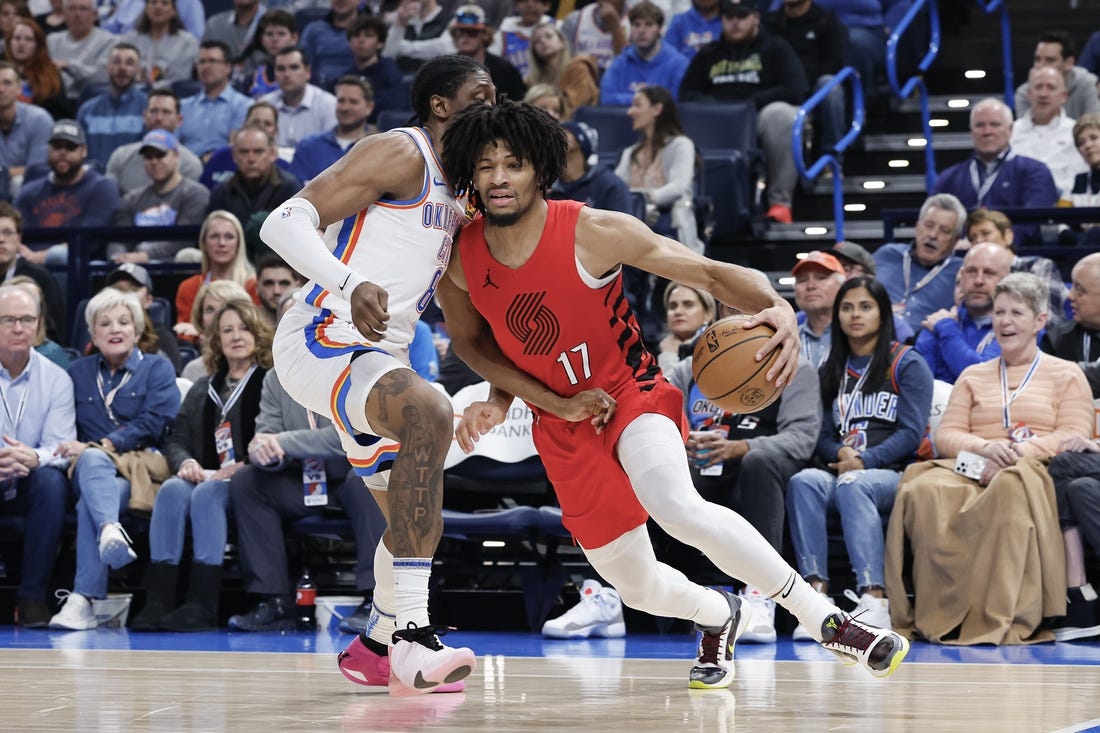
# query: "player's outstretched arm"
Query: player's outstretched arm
{"points": [[388, 164], [606, 239]]}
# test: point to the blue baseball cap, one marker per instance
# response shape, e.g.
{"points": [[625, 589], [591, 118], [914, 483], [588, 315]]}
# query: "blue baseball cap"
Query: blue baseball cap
{"points": [[161, 140]]}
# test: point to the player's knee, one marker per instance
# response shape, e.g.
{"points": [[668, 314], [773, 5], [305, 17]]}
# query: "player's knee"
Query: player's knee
{"points": [[434, 414]]}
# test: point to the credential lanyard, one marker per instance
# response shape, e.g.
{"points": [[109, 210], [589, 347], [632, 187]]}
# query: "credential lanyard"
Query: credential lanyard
{"points": [[1008, 398], [981, 189], [845, 409], [14, 420], [109, 397], [906, 265], [233, 396]]}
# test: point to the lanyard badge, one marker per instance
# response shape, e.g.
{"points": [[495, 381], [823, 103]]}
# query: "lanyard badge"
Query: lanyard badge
{"points": [[223, 444], [314, 482]]}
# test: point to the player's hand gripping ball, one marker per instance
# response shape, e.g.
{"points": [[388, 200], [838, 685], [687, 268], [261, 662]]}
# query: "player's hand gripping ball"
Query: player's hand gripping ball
{"points": [[725, 367]]}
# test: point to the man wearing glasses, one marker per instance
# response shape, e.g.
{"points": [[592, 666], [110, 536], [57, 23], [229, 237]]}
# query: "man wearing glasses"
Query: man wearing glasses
{"points": [[11, 264], [36, 415], [212, 114]]}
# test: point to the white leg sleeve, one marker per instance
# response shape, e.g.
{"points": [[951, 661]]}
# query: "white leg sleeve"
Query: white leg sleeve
{"points": [[291, 230]]}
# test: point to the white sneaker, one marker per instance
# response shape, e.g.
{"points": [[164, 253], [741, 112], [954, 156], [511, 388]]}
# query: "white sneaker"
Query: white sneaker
{"points": [[75, 614], [800, 632], [599, 613], [762, 629], [870, 610], [115, 547], [419, 663]]}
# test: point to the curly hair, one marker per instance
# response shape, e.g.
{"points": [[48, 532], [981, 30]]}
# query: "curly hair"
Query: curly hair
{"points": [[212, 355], [529, 132], [442, 76]]}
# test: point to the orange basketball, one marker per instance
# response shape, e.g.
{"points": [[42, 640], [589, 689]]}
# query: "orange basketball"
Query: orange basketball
{"points": [[725, 367]]}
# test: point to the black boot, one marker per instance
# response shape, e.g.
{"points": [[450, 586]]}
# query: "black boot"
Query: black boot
{"points": [[160, 596], [200, 612]]}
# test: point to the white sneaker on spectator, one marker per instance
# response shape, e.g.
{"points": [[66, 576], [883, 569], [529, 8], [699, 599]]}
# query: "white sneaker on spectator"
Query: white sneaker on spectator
{"points": [[762, 628], [76, 613], [870, 609], [115, 548], [599, 613]]}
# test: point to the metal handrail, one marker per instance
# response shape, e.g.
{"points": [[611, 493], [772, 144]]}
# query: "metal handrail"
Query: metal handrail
{"points": [[830, 158], [916, 82], [991, 6]]}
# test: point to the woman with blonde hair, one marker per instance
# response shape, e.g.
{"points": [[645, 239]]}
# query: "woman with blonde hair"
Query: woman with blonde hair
{"points": [[550, 99], [208, 444], [547, 56], [221, 241], [42, 344], [208, 302]]}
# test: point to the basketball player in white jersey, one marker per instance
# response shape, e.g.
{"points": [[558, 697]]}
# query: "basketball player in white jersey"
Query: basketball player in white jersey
{"points": [[389, 216]]}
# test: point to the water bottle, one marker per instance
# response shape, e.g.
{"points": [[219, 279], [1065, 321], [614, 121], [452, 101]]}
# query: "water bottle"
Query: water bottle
{"points": [[305, 603]]}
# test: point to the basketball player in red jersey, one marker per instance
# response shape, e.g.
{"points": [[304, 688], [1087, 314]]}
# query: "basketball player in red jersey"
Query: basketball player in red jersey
{"points": [[554, 329]]}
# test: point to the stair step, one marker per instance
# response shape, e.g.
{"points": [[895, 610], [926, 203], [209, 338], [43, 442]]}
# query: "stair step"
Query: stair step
{"points": [[898, 141]]}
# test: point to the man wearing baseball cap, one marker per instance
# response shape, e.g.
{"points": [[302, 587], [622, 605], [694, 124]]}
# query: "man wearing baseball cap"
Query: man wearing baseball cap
{"points": [[72, 195], [817, 278], [472, 37], [748, 65], [168, 200], [856, 259], [584, 178]]}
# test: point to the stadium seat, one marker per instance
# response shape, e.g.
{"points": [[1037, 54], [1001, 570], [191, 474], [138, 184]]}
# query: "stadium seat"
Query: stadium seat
{"points": [[614, 129], [391, 118], [717, 128]]}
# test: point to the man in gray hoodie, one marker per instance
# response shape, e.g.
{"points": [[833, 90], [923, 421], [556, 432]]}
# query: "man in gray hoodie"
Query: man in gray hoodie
{"points": [[1056, 49]]}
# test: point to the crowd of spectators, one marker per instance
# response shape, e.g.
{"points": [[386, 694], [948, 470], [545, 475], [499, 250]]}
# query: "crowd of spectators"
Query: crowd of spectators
{"points": [[154, 113]]}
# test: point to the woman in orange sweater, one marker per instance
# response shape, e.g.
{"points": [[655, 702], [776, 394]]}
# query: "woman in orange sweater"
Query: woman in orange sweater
{"points": [[221, 241]]}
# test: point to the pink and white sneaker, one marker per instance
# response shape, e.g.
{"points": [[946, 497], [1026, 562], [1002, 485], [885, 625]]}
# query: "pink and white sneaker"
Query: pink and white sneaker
{"points": [[366, 663], [419, 663]]}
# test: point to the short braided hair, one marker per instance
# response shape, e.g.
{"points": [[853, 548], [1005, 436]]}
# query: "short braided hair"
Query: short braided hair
{"points": [[529, 132]]}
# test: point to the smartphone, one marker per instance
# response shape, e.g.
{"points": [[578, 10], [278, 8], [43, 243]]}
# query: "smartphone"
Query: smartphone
{"points": [[970, 465]]}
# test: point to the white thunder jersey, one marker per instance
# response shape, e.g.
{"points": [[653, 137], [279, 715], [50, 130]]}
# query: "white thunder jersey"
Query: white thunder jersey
{"points": [[401, 246]]}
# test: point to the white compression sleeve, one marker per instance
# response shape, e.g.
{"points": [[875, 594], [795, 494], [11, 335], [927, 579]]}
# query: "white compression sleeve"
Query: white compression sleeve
{"points": [[291, 230]]}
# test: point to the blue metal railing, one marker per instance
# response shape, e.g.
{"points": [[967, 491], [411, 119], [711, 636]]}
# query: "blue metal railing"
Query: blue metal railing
{"points": [[829, 159], [916, 82], [991, 6]]}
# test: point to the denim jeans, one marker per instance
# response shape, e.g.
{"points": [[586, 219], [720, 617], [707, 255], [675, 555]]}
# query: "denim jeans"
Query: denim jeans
{"points": [[40, 499], [861, 498], [101, 495], [867, 53], [205, 504]]}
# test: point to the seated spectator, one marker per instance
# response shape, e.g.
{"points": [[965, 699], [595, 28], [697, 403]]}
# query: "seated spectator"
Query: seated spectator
{"points": [[745, 461], [695, 27], [600, 30], [647, 61], [211, 115], [776, 87], [166, 46], [817, 280], [1090, 54], [73, 195], [1045, 132], [366, 38], [275, 280], [13, 265], [80, 51], [472, 38], [220, 167], [1055, 49], [954, 338], [206, 448], [549, 99], [1086, 186], [258, 186], [1074, 471], [548, 55], [24, 128], [584, 178], [304, 109], [687, 311], [35, 485], [128, 14], [126, 165], [277, 30], [1078, 340], [53, 19], [324, 43], [9, 11], [920, 277], [354, 104], [40, 78], [208, 301], [513, 37], [293, 445], [988, 225], [869, 23], [131, 278], [43, 344], [118, 435], [1015, 411], [114, 117], [418, 32], [876, 396], [221, 241], [820, 40], [234, 27], [169, 200], [995, 177]]}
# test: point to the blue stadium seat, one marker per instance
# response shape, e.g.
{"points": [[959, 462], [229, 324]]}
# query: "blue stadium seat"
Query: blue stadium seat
{"points": [[391, 118], [614, 129], [718, 127]]}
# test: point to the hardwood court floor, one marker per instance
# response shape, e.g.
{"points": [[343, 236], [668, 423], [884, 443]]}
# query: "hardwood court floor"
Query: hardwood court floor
{"points": [[79, 687]]}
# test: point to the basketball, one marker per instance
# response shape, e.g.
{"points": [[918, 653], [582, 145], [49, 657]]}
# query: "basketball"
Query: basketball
{"points": [[725, 367]]}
